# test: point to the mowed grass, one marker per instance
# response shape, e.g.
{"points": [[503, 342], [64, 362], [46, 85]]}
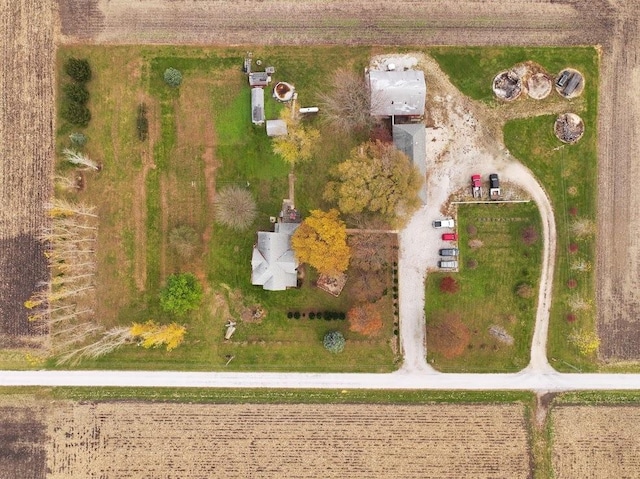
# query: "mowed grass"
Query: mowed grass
{"points": [[148, 188], [568, 174], [491, 269]]}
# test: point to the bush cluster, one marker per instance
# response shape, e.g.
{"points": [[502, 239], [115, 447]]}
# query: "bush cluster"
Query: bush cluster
{"points": [[172, 77], [327, 315], [334, 342], [76, 96]]}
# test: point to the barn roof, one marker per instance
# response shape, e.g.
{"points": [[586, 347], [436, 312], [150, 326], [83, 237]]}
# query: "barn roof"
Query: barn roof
{"points": [[411, 139], [397, 92]]}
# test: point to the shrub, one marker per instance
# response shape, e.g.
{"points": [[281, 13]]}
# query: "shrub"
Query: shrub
{"points": [[587, 342], [312, 315], [573, 248], [573, 211], [449, 285], [319, 315], [525, 290], [78, 69], [365, 319], [472, 230], [184, 240], [334, 342], [472, 264], [571, 318], [448, 336], [172, 77], [529, 235], [235, 208], [182, 294], [78, 139], [142, 124], [296, 315], [75, 92], [572, 283], [289, 315], [75, 113]]}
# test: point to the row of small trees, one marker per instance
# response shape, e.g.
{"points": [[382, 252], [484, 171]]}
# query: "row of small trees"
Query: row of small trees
{"points": [[74, 105]]}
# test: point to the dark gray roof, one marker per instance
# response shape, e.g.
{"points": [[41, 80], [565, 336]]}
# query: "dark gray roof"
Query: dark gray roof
{"points": [[400, 93], [411, 139]]}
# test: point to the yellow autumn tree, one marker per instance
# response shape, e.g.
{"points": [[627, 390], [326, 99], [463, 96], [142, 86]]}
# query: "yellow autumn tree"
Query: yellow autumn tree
{"points": [[152, 335], [321, 241], [297, 145]]}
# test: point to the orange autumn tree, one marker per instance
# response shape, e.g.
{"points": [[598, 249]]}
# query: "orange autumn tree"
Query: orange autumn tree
{"points": [[321, 241], [365, 319]]}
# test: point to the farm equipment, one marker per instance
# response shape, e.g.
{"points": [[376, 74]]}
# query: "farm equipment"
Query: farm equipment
{"points": [[476, 186], [494, 187]]}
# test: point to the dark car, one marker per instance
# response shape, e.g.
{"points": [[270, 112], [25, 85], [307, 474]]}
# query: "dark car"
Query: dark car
{"points": [[449, 252]]}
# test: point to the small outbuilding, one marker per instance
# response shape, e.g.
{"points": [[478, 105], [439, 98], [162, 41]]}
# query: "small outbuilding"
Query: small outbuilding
{"points": [[257, 106], [397, 92], [276, 128], [259, 79]]}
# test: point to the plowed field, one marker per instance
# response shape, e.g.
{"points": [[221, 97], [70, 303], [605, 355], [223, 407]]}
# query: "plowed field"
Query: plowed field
{"points": [[596, 442], [126, 440], [22, 442], [26, 154]]}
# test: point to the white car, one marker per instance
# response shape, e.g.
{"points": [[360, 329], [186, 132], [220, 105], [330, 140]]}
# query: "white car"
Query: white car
{"points": [[444, 223]]}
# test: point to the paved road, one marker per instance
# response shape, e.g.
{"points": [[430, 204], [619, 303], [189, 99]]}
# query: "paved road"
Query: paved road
{"points": [[534, 381]]}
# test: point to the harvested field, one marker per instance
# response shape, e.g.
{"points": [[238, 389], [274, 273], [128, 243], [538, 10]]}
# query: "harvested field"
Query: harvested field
{"points": [[121, 440], [597, 442], [22, 442], [26, 143], [618, 249], [364, 22]]}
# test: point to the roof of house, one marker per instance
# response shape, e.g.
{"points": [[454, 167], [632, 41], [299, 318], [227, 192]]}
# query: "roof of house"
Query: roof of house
{"points": [[276, 128], [397, 92], [273, 264], [258, 78], [257, 106], [411, 139]]}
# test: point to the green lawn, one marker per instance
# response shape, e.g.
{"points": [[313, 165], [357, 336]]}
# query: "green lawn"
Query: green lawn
{"points": [[568, 173], [494, 262], [147, 188]]}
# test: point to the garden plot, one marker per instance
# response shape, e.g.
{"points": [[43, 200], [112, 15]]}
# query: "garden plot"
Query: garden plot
{"points": [[598, 442], [120, 440]]}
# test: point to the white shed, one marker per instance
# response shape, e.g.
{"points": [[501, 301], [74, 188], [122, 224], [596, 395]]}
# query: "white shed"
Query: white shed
{"points": [[276, 128], [257, 106]]}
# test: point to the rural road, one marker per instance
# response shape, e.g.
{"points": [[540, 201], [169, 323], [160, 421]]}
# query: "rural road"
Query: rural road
{"points": [[534, 381]]}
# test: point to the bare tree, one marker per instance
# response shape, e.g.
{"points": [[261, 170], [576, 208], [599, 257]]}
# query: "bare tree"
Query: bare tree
{"points": [[235, 208], [66, 183], [110, 341], [79, 159], [346, 104]]}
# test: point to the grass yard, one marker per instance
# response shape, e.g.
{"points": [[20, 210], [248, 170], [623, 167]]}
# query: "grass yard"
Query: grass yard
{"points": [[567, 172], [201, 140], [500, 250]]}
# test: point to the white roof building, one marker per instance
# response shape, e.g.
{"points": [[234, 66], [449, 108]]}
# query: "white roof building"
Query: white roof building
{"points": [[276, 128], [273, 264], [397, 92], [257, 106]]}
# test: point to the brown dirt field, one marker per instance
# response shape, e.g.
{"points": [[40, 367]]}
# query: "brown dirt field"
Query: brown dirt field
{"points": [[123, 440], [596, 442], [26, 149], [364, 22], [618, 253], [22, 441]]}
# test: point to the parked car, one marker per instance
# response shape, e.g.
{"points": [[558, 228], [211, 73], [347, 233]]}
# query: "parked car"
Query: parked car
{"points": [[494, 186], [448, 264], [476, 186], [450, 236], [444, 223], [449, 252]]}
